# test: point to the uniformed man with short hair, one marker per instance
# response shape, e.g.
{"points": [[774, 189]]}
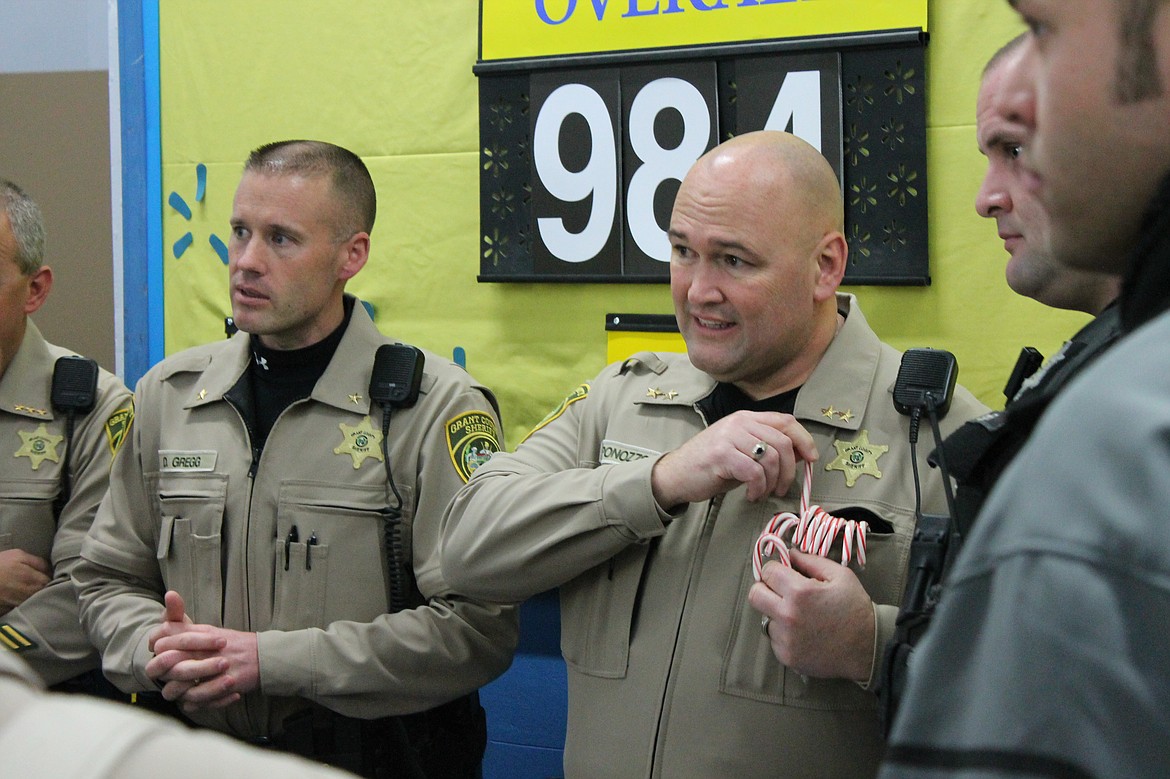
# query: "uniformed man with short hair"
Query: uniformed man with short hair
{"points": [[54, 461], [980, 451], [287, 511]]}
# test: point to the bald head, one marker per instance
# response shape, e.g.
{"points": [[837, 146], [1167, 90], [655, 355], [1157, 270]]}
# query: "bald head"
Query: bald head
{"points": [[757, 254], [779, 167]]}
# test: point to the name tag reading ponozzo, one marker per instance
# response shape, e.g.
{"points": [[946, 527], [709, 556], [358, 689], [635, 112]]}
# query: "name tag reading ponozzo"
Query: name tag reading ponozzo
{"points": [[175, 460], [617, 452]]}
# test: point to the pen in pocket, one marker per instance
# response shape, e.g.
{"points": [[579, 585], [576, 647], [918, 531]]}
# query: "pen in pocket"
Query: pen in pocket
{"points": [[309, 551], [289, 540]]}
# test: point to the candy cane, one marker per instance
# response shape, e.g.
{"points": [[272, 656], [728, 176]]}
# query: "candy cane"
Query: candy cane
{"points": [[814, 531]]}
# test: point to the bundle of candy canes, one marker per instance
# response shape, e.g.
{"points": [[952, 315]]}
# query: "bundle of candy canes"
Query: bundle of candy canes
{"points": [[814, 532]]}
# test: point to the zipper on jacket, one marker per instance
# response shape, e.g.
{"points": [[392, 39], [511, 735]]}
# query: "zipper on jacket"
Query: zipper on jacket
{"points": [[713, 506]]}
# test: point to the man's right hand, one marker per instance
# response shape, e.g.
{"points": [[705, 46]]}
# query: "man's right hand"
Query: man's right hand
{"points": [[720, 459], [21, 575]]}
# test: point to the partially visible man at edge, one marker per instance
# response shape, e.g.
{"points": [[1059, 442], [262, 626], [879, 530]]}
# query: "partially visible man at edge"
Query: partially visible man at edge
{"points": [[978, 452], [1047, 656], [44, 734], [279, 511], [54, 464], [643, 495]]}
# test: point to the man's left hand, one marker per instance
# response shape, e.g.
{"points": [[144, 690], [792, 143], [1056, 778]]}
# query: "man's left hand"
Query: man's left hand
{"points": [[822, 621]]}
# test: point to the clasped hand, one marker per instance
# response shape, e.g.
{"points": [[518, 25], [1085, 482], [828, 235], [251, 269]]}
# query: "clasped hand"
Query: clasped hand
{"points": [[201, 666]]}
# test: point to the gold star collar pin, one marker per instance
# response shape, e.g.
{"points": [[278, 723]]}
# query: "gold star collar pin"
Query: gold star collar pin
{"points": [[40, 412]]}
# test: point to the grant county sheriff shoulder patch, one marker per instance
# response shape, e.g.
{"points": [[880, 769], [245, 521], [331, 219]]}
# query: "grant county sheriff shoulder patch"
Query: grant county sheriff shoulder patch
{"points": [[117, 426], [471, 439]]}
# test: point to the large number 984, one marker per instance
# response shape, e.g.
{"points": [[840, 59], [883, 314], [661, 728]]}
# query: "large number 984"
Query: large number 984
{"points": [[795, 105]]}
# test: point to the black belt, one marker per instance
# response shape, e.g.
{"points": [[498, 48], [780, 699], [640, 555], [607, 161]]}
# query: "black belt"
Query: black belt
{"points": [[446, 742]]}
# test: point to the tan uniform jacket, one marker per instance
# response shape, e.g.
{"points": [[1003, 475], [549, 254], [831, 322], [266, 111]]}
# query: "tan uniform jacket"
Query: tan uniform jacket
{"points": [[66, 736], [45, 629], [669, 672], [191, 510]]}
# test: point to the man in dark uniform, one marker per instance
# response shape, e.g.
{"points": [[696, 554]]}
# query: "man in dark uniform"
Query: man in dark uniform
{"points": [[978, 452], [1047, 654]]}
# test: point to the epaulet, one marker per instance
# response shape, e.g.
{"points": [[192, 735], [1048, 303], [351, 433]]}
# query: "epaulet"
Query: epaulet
{"points": [[641, 362], [190, 361]]}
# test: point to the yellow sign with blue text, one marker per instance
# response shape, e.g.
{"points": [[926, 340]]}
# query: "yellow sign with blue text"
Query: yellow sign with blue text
{"points": [[517, 29]]}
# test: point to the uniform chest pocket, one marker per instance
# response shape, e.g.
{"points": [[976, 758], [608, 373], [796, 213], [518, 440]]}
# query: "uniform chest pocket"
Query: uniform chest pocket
{"points": [[329, 555], [190, 540], [598, 614], [26, 516], [750, 670]]}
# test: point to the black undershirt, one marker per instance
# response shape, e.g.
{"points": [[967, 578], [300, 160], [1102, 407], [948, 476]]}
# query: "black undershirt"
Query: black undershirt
{"points": [[282, 377], [727, 398]]}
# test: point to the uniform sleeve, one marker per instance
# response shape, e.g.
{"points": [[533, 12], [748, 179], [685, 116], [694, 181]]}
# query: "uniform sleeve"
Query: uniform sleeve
{"points": [[417, 658], [49, 618], [119, 585], [534, 519]]}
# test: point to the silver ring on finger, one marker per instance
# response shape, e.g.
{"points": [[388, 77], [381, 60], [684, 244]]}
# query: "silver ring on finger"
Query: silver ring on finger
{"points": [[759, 450]]}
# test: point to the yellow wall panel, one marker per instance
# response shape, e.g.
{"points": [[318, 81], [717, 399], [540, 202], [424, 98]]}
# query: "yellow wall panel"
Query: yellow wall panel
{"points": [[392, 80]]}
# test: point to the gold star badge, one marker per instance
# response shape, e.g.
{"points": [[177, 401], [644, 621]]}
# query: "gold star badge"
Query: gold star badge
{"points": [[653, 392], [855, 458], [845, 415], [360, 441], [828, 412], [671, 395], [39, 445], [202, 394], [356, 399]]}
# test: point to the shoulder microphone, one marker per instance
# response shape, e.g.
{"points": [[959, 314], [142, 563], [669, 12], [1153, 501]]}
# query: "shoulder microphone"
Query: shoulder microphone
{"points": [[74, 391], [397, 375], [74, 385], [926, 378]]}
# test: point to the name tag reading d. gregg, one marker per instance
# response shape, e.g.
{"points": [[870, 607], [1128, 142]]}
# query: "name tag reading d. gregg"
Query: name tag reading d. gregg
{"points": [[175, 460]]}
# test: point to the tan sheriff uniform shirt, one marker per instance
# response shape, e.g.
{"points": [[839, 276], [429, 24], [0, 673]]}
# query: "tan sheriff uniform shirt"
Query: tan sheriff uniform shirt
{"points": [[45, 630], [669, 672], [66, 736], [290, 545]]}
